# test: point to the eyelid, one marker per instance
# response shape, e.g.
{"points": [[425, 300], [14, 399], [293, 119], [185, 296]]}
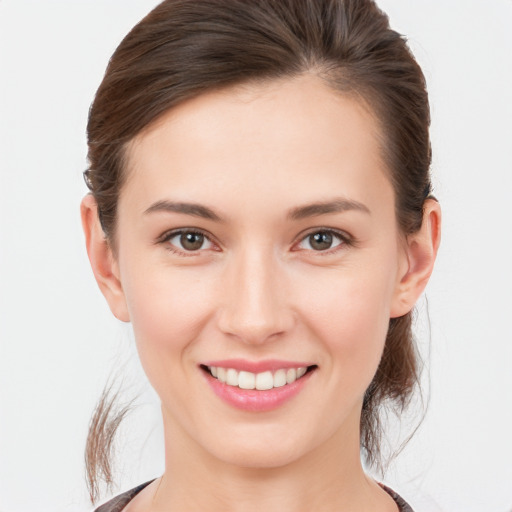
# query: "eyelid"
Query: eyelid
{"points": [[346, 239], [168, 235]]}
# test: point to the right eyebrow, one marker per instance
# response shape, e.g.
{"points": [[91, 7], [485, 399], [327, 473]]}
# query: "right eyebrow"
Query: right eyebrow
{"points": [[195, 209]]}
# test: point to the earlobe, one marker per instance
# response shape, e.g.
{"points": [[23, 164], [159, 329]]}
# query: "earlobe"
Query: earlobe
{"points": [[421, 251], [103, 263]]}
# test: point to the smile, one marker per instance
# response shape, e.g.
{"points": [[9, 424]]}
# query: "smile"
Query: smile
{"points": [[260, 381], [257, 387]]}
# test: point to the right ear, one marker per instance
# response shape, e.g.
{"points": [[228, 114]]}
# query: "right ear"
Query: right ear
{"points": [[103, 262]]}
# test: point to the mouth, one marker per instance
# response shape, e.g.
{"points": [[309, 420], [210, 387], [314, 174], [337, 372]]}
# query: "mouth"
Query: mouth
{"points": [[257, 387], [261, 381]]}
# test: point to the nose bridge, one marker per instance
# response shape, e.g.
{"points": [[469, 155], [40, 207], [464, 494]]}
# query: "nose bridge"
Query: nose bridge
{"points": [[255, 305]]}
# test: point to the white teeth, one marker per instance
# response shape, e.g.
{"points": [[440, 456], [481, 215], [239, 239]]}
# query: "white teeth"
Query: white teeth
{"points": [[264, 380], [279, 378], [291, 375], [246, 380], [232, 377], [221, 374], [260, 381]]}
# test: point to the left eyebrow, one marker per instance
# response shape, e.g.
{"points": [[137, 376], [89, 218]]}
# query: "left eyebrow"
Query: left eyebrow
{"points": [[337, 205]]}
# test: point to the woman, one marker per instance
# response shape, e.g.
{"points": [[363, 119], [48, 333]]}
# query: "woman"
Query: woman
{"points": [[260, 211]]}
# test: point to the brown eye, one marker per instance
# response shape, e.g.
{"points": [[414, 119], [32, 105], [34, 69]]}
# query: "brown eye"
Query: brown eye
{"points": [[189, 241], [321, 241]]}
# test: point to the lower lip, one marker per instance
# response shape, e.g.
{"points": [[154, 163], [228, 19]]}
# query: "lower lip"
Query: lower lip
{"points": [[254, 400]]}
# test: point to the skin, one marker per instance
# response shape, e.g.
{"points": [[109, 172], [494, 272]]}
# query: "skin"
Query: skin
{"points": [[258, 289]]}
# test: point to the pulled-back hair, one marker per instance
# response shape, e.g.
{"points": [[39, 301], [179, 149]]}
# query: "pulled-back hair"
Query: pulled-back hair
{"points": [[184, 48]]}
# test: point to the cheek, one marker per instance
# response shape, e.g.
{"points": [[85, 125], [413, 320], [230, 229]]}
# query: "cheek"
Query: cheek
{"points": [[349, 312], [168, 310]]}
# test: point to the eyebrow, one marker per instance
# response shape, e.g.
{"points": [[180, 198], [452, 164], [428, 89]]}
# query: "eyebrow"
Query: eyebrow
{"points": [[337, 205], [194, 209]]}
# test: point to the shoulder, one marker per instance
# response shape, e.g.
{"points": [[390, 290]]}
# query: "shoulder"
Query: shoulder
{"points": [[118, 503]]}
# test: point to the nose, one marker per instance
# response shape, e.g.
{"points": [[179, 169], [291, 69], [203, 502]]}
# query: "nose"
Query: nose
{"points": [[255, 308]]}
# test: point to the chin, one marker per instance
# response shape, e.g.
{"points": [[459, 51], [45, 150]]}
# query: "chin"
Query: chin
{"points": [[262, 448], [257, 457]]}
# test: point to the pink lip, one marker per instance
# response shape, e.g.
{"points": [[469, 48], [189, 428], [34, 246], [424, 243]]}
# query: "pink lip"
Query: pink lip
{"points": [[252, 399], [267, 365]]}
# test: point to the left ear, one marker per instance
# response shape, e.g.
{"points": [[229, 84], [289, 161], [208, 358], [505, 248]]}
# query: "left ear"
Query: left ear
{"points": [[421, 250]]}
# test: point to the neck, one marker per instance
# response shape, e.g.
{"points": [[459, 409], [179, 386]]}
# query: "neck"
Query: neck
{"points": [[328, 478]]}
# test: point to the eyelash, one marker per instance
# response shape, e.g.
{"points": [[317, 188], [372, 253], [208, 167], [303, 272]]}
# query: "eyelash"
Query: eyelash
{"points": [[345, 240], [166, 237]]}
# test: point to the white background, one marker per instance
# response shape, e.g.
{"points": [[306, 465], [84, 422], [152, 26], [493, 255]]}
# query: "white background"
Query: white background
{"points": [[59, 342]]}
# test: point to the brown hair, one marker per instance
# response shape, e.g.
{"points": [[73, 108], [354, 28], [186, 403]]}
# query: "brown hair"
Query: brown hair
{"points": [[186, 47]]}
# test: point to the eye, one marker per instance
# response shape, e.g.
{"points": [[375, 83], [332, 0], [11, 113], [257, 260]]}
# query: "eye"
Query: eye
{"points": [[322, 240], [188, 241]]}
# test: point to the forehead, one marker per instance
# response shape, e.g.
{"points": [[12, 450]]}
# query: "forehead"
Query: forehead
{"points": [[288, 139]]}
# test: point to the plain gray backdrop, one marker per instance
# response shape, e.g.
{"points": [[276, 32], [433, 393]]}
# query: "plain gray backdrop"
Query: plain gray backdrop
{"points": [[59, 342]]}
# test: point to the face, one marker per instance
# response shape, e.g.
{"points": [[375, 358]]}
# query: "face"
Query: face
{"points": [[256, 241]]}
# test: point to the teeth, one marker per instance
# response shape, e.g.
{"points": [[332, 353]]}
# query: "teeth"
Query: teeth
{"points": [[264, 380], [232, 377], [279, 378], [291, 375], [260, 381], [221, 374], [246, 380]]}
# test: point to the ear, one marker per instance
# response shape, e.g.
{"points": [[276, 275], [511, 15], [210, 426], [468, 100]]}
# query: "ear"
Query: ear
{"points": [[420, 254], [103, 262]]}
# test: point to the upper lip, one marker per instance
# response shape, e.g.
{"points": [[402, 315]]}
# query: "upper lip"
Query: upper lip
{"points": [[271, 365]]}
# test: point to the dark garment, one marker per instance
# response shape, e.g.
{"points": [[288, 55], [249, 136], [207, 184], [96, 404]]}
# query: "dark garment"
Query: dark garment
{"points": [[118, 503], [402, 505]]}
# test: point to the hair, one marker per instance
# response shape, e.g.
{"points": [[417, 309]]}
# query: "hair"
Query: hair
{"points": [[184, 48]]}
